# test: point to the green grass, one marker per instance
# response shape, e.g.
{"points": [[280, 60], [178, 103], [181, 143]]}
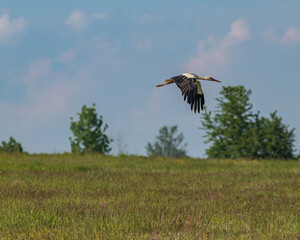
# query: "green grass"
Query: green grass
{"points": [[104, 197]]}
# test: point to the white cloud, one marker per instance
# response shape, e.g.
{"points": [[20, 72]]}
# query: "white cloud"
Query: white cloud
{"points": [[91, 46], [292, 35], [217, 55], [37, 69], [146, 44], [66, 57], [79, 19], [49, 96], [45, 103], [51, 93], [239, 32], [11, 28], [47, 92]]}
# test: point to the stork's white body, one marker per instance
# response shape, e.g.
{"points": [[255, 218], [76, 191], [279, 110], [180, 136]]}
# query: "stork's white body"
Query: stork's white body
{"points": [[189, 75]]}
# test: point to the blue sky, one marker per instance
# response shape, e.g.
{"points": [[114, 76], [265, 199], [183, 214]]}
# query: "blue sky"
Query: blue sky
{"points": [[58, 55]]}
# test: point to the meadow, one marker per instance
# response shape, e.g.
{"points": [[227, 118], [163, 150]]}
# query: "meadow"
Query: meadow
{"points": [[68, 196]]}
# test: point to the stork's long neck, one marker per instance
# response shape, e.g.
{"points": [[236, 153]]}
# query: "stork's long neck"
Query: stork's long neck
{"points": [[202, 78]]}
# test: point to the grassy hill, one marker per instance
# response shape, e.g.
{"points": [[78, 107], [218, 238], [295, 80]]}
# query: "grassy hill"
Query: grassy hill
{"points": [[105, 197]]}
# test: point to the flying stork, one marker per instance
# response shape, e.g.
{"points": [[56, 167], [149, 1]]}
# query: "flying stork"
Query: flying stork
{"points": [[190, 88]]}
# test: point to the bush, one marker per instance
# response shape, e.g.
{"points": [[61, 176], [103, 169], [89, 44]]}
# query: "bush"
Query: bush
{"points": [[12, 146]]}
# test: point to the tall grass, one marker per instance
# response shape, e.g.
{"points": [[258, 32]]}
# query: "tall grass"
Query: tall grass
{"points": [[104, 197]]}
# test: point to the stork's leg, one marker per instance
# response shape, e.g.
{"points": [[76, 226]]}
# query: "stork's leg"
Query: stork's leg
{"points": [[168, 81]]}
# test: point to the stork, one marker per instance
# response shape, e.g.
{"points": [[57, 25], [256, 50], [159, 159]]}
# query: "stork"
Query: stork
{"points": [[190, 88]]}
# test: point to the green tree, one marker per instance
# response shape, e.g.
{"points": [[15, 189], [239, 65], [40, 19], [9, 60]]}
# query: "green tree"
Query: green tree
{"points": [[234, 131], [89, 132], [229, 129], [12, 146], [272, 138], [167, 143]]}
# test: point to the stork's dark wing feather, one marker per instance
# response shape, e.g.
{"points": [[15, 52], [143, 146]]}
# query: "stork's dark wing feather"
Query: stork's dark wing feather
{"points": [[191, 91], [184, 83]]}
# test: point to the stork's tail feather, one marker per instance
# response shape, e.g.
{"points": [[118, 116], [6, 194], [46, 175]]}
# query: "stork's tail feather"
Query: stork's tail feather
{"points": [[168, 81]]}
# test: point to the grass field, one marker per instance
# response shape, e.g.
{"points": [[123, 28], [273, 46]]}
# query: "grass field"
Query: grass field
{"points": [[105, 197]]}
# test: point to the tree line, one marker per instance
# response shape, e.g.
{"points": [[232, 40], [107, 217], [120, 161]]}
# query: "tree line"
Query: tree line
{"points": [[233, 130]]}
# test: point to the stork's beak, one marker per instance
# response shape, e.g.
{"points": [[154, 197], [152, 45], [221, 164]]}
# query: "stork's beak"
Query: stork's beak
{"points": [[212, 79]]}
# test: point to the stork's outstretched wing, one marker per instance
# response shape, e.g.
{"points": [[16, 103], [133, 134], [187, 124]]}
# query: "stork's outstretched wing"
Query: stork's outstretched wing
{"points": [[191, 90]]}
